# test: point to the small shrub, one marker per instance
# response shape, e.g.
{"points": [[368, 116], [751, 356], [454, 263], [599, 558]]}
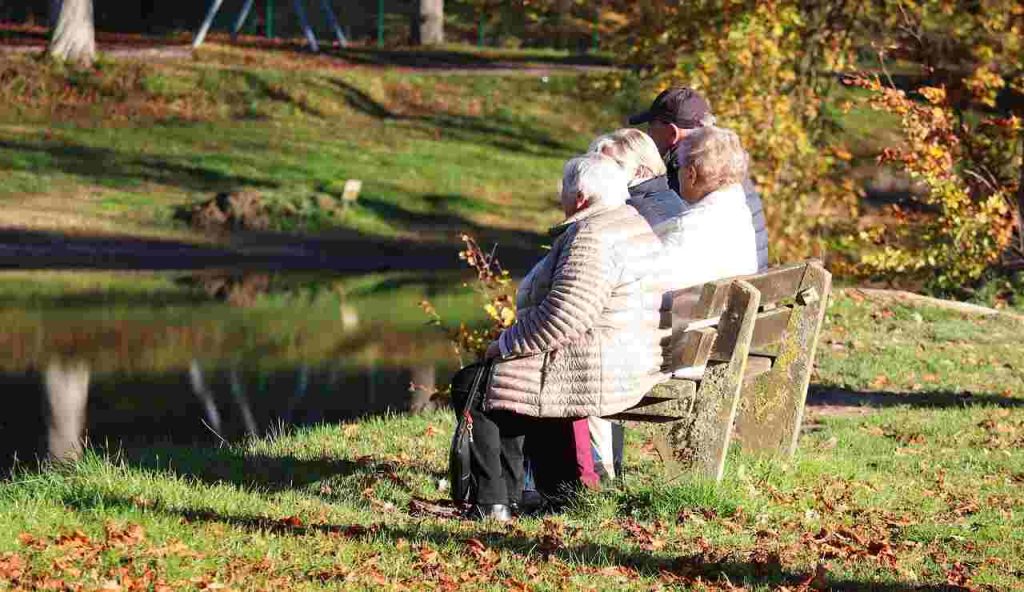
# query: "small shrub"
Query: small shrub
{"points": [[497, 295], [966, 224]]}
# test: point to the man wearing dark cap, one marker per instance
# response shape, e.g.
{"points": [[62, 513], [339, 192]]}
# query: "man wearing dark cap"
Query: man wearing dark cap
{"points": [[675, 113]]}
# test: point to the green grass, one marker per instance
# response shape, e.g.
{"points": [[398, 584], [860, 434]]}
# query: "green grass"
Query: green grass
{"points": [[922, 488], [437, 153]]}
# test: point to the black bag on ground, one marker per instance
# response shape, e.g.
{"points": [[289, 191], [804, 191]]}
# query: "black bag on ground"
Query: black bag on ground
{"points": [[468, 386]]}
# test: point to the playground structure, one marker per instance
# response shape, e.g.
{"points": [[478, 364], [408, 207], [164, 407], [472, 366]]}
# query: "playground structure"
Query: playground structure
{"points": [[297, 5]]}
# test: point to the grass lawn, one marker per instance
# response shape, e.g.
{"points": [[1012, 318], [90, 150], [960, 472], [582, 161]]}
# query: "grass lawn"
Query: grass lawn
{"points": [[921, 490], [115, 151]]}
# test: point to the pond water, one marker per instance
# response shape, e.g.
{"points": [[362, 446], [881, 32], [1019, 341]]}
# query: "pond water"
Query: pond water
{"points": [[131, 359]]}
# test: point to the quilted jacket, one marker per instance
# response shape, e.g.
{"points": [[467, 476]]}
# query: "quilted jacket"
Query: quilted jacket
{"points": [[586, 340]]}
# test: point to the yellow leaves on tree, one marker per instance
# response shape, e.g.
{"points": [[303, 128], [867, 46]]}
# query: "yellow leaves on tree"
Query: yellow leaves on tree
{"points": [[764, 68], [497, 293], [966, 222]]}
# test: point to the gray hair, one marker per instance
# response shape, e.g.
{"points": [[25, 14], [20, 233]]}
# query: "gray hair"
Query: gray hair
{"points": [[717, 157], [599, 178], [633, 150]]}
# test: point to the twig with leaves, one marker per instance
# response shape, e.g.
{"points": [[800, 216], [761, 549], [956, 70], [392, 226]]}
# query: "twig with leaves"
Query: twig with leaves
{"points": [[494, 286]]}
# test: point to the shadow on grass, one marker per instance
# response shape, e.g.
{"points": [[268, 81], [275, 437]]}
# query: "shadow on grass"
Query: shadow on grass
{"points": [[589, 554], [351, 252], [268, 473], [828, 396], [448, 59], [106, 166], [495, 131]]}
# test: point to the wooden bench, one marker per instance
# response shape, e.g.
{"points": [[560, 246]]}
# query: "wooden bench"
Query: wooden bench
{"points": [[742, 352]]}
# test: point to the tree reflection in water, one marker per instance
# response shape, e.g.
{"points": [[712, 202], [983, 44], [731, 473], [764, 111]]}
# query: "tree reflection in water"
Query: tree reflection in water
{"points": [[118, 360]]}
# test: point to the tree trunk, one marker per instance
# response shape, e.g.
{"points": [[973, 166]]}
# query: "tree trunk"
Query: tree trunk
{"points": [[1020, 199], [564, 8], [67, 392], [73, 37], [429, 26]]}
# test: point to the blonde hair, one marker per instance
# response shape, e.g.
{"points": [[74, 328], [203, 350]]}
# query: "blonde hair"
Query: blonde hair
{"points": [[633, 150], [716, 156]]}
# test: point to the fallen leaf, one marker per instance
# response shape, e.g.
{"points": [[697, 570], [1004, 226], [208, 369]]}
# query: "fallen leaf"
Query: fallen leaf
{"points": [[129, 535], [290, 522], [958, 575]]}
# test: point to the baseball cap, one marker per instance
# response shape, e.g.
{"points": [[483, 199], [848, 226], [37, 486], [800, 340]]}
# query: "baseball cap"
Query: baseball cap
{"points": [[682, 106]]}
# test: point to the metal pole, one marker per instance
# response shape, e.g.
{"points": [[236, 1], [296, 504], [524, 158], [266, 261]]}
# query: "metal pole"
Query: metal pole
{"points": [[268, 22], [242, 16], [207, 22], [333, 22], [380, 24], [310, 37]]}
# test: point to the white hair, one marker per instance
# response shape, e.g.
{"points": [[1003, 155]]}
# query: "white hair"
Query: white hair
{"points": [[597, 177], [635, 152], [717, 157]]}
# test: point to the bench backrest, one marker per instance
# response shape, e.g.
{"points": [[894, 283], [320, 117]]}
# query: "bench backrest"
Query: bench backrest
{"points": [[696, 313]]}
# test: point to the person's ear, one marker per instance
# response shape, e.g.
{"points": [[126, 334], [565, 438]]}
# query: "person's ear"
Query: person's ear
{"points": [[677, 134], [691, 174]]}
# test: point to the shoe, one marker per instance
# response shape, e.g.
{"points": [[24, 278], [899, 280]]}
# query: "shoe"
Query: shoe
{"points": [[532, 504], [496, 512]]}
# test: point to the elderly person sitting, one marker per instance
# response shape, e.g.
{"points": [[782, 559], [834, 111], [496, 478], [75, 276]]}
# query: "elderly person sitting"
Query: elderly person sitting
{"points": [[586, 338], [649, 190], [713, 238]]}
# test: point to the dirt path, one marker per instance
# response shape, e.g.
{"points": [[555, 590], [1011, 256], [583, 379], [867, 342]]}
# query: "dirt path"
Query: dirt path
{"points": [[25, 39]]}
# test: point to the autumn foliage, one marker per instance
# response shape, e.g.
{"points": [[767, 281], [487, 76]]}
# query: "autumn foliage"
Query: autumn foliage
{"points": [[764, 67], [772, 71], [963, 225], [962, 143], [494, 286]]}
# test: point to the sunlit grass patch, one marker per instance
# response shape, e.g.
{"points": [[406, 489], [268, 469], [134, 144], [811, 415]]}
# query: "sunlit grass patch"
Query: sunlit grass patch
{"points": [[437, 153]]}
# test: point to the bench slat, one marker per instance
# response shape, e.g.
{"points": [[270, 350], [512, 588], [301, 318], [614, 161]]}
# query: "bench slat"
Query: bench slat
{"points": [[696, 304], [756, 366], [666, 402], [781, 283], [769, 331], [693, 349]]}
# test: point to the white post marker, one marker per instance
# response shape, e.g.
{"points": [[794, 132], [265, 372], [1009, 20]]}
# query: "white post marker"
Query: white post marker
{"points": [[350, 192]]}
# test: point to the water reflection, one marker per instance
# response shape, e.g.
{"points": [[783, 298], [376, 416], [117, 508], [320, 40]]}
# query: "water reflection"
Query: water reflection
{"points": [[67, 407], [148, 359]]}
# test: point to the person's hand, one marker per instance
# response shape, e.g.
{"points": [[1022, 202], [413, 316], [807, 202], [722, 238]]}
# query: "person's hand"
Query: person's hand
{"points": [[493, 351]]}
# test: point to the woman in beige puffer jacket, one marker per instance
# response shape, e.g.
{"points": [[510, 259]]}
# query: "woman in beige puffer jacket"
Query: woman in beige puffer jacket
{"points": [[586, 339]]}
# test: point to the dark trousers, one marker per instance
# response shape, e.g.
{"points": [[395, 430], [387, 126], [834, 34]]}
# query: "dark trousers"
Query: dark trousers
{"points": [[499, 438]]}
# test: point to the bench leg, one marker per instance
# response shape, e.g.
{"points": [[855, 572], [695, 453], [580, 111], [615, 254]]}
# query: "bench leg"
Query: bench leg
{"points": [[772, 404], [701, 441]]}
